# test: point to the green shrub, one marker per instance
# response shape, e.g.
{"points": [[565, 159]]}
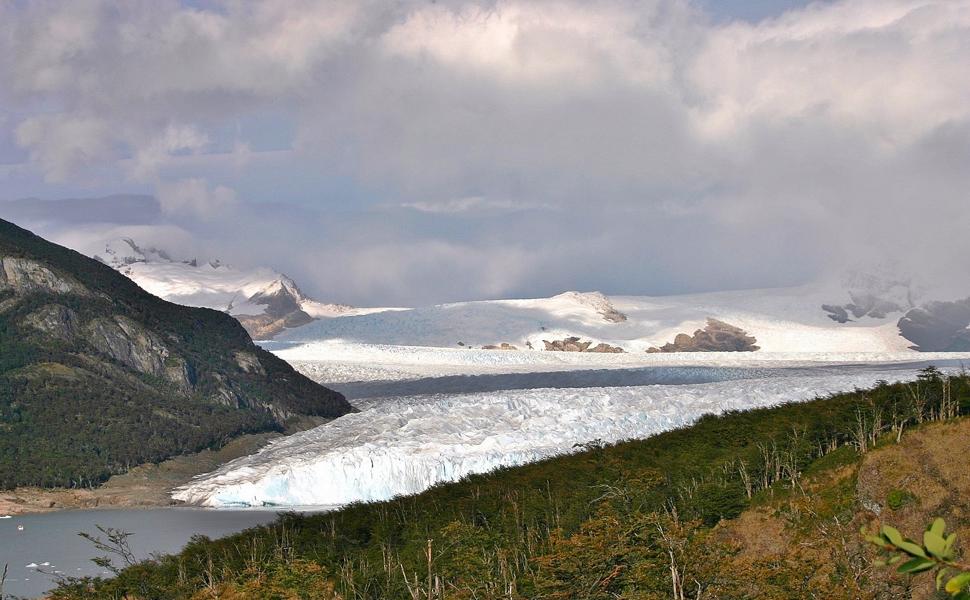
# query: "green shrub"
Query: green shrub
{"points": [[897, 499]]}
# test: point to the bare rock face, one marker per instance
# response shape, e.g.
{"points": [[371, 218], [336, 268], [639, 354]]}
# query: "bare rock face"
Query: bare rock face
{"points": [[502, 346], [837, 313], [717, 336], [131, 344], [862, 305], [612, 315], [573, 344], [54, 320], [938, 327], [249, 362], [265, 326], [26, 276], [599, 302], [606, 348]]}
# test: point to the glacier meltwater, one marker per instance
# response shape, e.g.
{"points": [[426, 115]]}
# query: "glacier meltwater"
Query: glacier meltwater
{"points": [[405, 445]]}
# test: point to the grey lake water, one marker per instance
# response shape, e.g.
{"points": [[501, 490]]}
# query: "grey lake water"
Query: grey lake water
{"points": [[49, 545]]}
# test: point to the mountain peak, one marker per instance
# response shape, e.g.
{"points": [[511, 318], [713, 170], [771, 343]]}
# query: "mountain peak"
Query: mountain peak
{"points": [[265, 301]]}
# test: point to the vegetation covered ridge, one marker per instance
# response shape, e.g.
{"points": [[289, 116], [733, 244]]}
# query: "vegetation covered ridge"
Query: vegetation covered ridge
{"points": [[766, 503], [97, 375]]}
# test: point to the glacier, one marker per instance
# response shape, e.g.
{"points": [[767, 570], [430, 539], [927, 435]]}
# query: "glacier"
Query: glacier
{"points": [[404, 445]]}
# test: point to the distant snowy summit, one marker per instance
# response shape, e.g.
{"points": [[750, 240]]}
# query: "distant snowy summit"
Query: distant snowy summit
{"points": [[868, 311], [779, 320], [264, 301]]}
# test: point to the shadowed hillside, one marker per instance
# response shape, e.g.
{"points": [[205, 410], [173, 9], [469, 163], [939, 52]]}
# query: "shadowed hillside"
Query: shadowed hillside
{"points": [[97, 375]]}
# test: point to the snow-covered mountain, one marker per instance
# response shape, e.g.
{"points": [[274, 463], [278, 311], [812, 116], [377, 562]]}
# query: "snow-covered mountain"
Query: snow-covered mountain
{"points": [[263, 300], [788, 320], [860, 312]]}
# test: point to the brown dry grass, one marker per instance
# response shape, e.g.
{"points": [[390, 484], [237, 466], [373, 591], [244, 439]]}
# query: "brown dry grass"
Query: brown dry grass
{"points": [[811, 540]]}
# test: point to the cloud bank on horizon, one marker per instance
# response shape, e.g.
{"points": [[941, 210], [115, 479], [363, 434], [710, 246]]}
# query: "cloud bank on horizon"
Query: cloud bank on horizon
{"points": [[417, 151]]}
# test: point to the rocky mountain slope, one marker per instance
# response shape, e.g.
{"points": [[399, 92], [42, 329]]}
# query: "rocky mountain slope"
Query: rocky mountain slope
{"points": [[97, 375], [263, 300]]}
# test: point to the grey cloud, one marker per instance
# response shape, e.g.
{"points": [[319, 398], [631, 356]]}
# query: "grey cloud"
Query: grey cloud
{"points": [[529, 146]]}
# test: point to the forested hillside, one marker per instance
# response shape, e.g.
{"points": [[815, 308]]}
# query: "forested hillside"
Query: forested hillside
{"points": [[97, 375], [759, 504]]}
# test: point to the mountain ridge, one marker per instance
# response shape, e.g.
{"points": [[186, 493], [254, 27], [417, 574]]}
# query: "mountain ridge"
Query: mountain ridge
{"points": [[97, 375], [265, 301]]}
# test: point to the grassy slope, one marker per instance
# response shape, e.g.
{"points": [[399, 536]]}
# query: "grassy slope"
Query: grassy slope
{"points": [[70, 416], [600, 524]]}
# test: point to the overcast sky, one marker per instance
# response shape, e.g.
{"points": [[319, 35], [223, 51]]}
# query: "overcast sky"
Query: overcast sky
{"points": [[410, 152]]}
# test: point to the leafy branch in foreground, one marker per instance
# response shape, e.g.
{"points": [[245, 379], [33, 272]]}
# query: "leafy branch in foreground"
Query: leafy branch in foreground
{"points": [[937, 552], [116, 543]]}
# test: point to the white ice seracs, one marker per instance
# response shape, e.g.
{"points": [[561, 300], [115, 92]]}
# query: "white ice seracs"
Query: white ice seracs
{"points": [[405, 445]]}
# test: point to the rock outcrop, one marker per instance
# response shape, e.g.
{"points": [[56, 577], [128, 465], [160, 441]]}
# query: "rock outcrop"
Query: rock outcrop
{"points": [[25, 275], [865, 305], [266, 326], [129, 343], [717, 336], [606, 348], [573, 344], [502, 346], [597, 301], [55, 321], [938, 327]]}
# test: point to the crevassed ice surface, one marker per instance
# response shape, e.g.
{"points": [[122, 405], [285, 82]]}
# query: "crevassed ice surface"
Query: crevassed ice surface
{"points": [[405, 445]]}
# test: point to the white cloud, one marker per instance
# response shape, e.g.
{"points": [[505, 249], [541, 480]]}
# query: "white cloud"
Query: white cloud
{"points": [[890, 69], [61, 144], [471, 204], [174, 140], [835, 124], [195, 198]]}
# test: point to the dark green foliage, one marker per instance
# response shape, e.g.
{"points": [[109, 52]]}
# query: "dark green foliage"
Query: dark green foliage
{"points": [[896, 499], [72, 416], [603, 523]]}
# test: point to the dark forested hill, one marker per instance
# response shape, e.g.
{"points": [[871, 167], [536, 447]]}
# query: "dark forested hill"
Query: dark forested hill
{"points": [[97, 375]]}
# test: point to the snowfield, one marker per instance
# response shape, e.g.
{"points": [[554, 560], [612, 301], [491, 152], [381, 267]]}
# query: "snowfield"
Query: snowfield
{"points": [[404, 445], [782, 320], [335, 362], [209, 284]]}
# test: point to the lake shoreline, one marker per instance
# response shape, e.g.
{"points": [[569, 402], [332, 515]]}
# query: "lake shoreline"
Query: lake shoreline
{"points": [[144, 486]]}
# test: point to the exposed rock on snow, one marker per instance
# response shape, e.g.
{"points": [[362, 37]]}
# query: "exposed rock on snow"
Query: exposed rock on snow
{"points": [[875, 294], [570, 344], [596, 300], [783, 320], [502, 346], [605, 348], [573, 344], [938, 326], [717, 336]]}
